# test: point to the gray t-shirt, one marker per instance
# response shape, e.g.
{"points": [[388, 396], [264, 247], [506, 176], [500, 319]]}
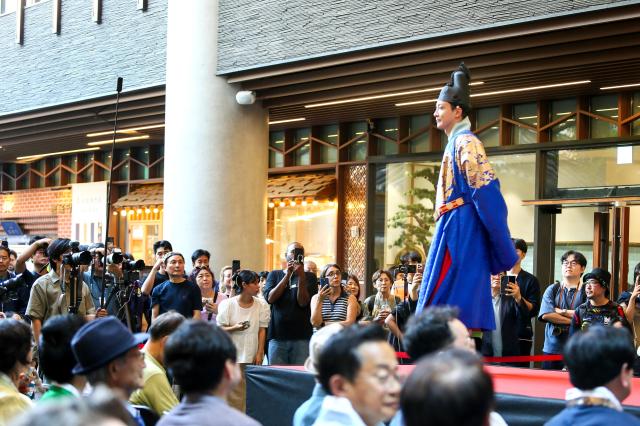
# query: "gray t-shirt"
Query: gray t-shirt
{"points": [[205, 410]]}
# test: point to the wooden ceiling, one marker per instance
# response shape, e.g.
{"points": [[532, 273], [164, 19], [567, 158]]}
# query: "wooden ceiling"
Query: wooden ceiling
{"points": [[603, 47]]}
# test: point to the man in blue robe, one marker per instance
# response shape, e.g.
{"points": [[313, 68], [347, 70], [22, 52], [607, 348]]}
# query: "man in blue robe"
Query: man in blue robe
{"points": [[471, 239]]}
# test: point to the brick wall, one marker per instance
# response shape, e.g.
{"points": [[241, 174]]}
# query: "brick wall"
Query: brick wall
{"points": [[39, 211], [86, 58], [254, 33]]}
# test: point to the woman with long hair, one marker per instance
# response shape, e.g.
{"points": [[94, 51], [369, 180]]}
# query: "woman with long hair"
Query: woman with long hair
{"points": [[332, 303]]}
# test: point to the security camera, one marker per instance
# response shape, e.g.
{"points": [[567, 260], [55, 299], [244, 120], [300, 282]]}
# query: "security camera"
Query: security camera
{"points": [[245, 97]]}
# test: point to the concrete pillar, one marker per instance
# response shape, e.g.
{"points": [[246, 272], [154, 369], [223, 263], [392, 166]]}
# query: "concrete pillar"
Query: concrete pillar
{"points": [[215, 164]]}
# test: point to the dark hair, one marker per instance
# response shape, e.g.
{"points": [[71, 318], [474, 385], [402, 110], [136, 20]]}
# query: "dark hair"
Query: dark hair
{"points": [[6, 249], [15, 344], [520, 244], [13, 252], [379, 272], [162, 243], [450, 388], [170, 255], [55, 354], [195, 271], [56, 249], [636, 272], [36, 238], [579, 257], [411, 256], [165, 324], [595, 356], [323, 274], [263, 274], [356, 279], [199, 253], [243, 276], [340, 354], [429, 331], [196, 354]]}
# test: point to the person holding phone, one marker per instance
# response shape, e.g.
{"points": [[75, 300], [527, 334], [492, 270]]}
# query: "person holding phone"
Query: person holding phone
{"points": [[211, 297], [380, 305], [333, 303], [289, 293]]}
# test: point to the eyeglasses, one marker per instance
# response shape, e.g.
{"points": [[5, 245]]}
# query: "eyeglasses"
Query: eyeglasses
{"points": [[592, 282], [333, 274], [572, 263], [4, 258]]}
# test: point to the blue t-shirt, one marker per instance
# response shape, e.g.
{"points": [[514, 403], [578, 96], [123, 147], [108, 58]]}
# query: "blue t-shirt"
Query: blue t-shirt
{"points": [[184, 297]]}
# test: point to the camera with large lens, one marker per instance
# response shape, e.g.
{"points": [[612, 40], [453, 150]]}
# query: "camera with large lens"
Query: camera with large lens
{"points": [[76, 259], [133, 265], [115, 258], [11, 285]]}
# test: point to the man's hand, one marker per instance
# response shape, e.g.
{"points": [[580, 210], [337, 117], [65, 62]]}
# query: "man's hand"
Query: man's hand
{"points": [[513, 290], [101, 313]]}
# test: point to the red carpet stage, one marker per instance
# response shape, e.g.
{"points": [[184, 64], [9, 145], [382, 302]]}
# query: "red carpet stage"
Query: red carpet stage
{"points": [[523, 396]]}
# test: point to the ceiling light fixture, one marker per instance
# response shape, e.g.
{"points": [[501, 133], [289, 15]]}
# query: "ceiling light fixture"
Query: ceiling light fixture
{"points": [[130, 139], [382, 96], [49, 154], [501, 92], [290, 120], [621, 86], [132, 129]]}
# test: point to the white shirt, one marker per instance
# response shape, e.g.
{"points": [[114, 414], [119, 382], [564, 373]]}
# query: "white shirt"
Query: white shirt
{"points": [[599, 392], [246, 341]]}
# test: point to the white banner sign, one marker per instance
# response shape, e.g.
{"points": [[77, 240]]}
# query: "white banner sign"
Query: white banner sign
{"points": [[88, 211]]}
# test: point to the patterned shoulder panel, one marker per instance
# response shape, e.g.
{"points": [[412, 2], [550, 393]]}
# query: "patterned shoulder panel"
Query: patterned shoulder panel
{"points": [[445, 183], [473, 161]]}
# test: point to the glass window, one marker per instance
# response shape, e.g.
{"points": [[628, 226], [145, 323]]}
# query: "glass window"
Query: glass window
{"points": [[276, 140], [315, 224], [606, 106], [566, 130], [574, 231], [302, 155], [386, 127], [635, 108], [328, 134], [484, 117], [405, 193], [7, 6], [357, 151], [526, 114], [593, 168], [420, 143]]}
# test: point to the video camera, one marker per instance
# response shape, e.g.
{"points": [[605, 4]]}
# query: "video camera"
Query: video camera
{"points": [[11, 286]]}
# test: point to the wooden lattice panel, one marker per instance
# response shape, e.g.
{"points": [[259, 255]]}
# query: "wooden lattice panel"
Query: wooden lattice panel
{"points": [[355, 220]]}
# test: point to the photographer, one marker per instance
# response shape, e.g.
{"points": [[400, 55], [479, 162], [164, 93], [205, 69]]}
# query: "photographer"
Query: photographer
{"points": [[558, 306], [289, 293], [50, 295], [93, 278], [9, 299]]}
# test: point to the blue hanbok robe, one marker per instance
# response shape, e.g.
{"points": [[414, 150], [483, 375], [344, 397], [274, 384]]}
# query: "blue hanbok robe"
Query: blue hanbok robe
{"points": [[471, 239]]}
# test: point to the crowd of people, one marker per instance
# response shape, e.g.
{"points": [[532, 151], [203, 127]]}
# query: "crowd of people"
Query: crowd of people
{"points": [[73, 335]]}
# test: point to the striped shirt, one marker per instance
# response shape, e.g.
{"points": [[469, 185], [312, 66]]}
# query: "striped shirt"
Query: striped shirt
{"points": [[337, 311]]}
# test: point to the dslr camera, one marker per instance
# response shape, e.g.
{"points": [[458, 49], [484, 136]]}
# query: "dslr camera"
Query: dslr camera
{"points": [[76, 259], [11, 286], [406, 269]]}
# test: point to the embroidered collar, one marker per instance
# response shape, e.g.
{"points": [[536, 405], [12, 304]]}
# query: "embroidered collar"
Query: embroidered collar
{"points": [[599, 396], [463, 124]]}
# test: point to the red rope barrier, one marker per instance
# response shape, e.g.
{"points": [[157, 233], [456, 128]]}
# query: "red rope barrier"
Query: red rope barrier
{"points": [[522, 358]]}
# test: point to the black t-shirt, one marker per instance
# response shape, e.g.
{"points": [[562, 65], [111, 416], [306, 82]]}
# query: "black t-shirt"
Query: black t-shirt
{"points": [[289, 321], [183, 297], [607, 314]]}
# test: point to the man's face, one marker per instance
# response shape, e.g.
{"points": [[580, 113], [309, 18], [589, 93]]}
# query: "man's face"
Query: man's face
{"points": [[594, 290], [445, 116], [12, 262], [521, 255], [226, 276], [201, 261], [4, 261], [375, 391], [40, 258], [126, 371], [571, 268], [175, 266], [461, 337]]}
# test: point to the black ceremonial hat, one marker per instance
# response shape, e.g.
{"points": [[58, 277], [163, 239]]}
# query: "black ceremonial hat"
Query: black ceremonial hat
{"points": [[457, 90]]}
